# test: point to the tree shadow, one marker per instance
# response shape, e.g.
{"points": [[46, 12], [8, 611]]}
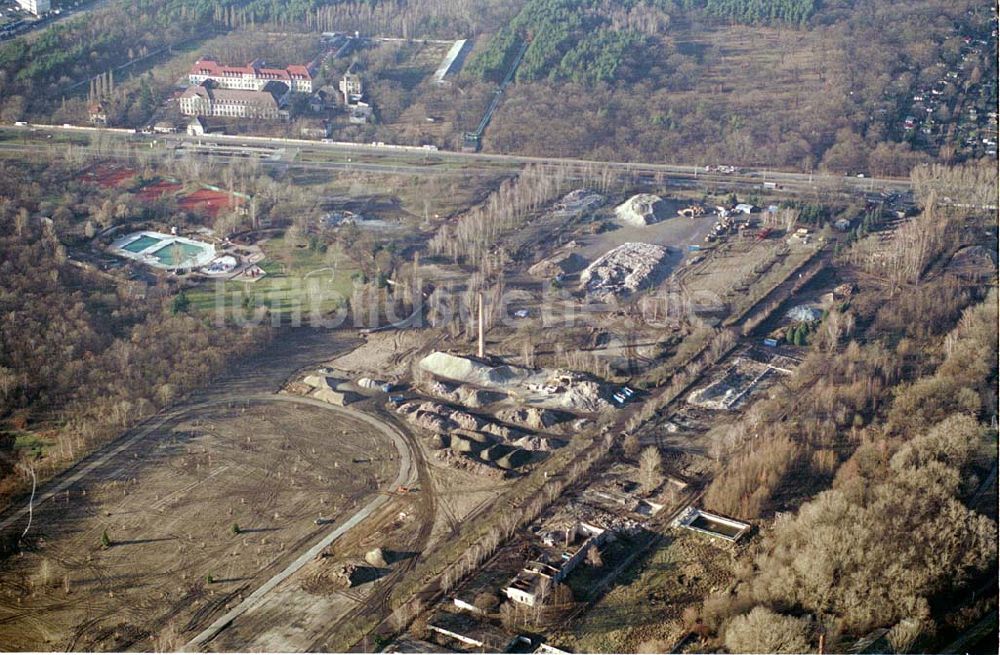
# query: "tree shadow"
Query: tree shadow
{"points": [[240, 579], [393, 556]]}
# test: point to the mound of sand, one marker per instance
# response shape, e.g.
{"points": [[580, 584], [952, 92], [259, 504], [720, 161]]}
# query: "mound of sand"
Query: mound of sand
{"points": [[471, 397], [564, 263], [531, 417], [454, 368], [442, 390], [340, 398], [462, 369], [377, 558], [442, 420], [641, 210], [461, 394], [534, 442]]}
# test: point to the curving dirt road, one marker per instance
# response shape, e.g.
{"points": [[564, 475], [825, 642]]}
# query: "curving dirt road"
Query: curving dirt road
{"points": [[406, 476], [254, 381]]}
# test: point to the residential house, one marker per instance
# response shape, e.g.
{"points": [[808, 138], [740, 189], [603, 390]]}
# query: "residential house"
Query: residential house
{"points": [[352, 88], [98, 114]]}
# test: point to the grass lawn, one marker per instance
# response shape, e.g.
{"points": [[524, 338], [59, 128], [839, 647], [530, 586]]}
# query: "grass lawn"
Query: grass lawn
{"points": [[299, 281], [31, 443], [25, 136]]}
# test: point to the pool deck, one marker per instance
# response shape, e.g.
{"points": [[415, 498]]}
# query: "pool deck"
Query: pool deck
{"points": [[156, 243]]}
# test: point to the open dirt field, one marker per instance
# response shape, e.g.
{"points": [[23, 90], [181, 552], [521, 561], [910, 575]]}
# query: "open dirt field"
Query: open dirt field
{"points": [[208, 201], [314, 610], [673, 232], [384, 355], [169, 503], [156, 190], [107, 175]]}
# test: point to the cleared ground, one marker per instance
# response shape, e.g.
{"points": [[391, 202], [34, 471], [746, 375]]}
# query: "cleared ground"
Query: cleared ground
{"points": [[673, 231], [169, 503]]}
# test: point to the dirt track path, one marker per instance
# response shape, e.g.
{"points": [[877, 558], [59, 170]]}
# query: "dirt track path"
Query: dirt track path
{"points": [[253, 381], [266, 372], [406, 476]]}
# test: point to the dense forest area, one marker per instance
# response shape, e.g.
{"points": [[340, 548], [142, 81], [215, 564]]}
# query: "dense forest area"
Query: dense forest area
{"points": [[81, 357], [757, 11], [587, 41], [568, 39]]}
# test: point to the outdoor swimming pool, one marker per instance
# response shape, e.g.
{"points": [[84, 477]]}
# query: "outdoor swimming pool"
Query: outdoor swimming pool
{"points": [[142, 243], [167, 251], [180, 253]]}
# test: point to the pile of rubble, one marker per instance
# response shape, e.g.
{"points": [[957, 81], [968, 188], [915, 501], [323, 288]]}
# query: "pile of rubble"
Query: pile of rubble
{"points": [[533, 418], [728, 391], [616, 522], [641, 210], [804, 314], [622, 271], [536, 443], [459, 461], [579, 201], [463, 394], [548, 388], [329, 389], [484, 442], [439, 419]]}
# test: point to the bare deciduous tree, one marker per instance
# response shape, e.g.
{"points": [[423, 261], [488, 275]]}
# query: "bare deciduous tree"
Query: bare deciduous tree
{"points": [[650, 469]]}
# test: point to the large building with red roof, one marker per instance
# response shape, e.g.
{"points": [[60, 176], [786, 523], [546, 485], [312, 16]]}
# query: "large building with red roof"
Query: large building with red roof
{"points": [[251, 77], [208, 99]]}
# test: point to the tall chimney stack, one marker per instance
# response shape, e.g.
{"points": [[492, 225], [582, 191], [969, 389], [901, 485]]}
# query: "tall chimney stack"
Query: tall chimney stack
{"points": [[482, 337]]}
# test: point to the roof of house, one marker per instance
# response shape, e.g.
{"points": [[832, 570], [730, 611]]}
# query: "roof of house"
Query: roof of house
{"points": [[269, 96], [212, 68]]}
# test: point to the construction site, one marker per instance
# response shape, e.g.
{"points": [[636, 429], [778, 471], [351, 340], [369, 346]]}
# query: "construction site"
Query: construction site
{"points": [[248, 487], [503, 480]]}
